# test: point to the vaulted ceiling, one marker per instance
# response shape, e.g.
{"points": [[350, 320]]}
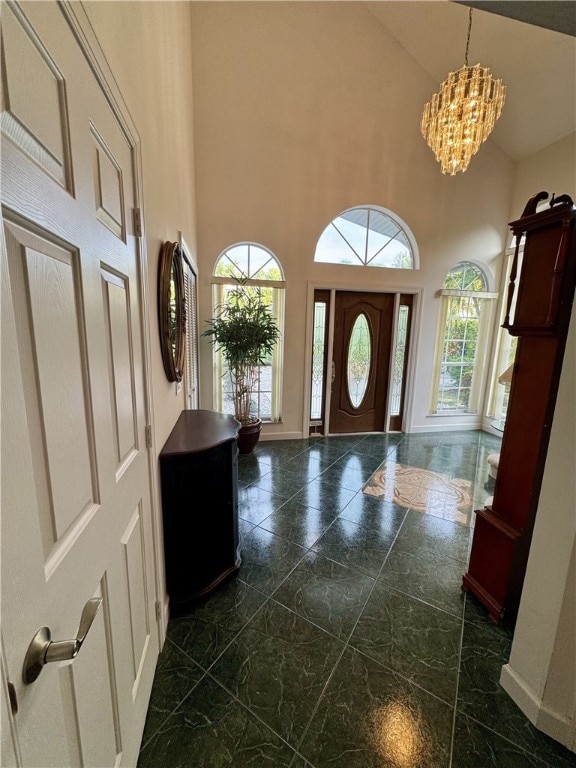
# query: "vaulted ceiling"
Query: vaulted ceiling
{"points": [[536, 61]]}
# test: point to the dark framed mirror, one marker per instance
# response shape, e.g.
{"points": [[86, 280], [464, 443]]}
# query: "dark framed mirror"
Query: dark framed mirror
{"points": [[171, 310]]}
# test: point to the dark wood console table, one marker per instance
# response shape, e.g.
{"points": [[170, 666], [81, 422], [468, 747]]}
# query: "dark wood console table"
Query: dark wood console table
{"points": [[199, 478]]}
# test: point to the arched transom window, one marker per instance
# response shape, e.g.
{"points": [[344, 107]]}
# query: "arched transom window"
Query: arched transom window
{"points": [[368, 236]]}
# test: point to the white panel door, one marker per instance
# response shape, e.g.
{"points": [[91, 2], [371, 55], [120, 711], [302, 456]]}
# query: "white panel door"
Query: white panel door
{"points": [[76, 499]]}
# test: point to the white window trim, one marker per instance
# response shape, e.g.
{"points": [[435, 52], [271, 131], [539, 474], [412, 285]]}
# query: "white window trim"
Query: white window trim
{"points": [[485, 324]]}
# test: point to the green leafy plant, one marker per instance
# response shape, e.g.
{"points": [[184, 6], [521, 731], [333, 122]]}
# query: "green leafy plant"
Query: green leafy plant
{"points": [[245, 332]]}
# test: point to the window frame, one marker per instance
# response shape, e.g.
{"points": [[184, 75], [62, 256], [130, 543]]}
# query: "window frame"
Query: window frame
{"points": [[447, 295], [364, 260], [277, 307]]}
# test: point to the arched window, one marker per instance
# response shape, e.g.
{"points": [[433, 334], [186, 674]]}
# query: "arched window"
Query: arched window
{"points": [[368, 236], [463, 330], [253, 265]]}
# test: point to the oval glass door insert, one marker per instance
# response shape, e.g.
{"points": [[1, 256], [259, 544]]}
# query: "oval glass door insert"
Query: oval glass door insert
{"points": [[359, 360]]}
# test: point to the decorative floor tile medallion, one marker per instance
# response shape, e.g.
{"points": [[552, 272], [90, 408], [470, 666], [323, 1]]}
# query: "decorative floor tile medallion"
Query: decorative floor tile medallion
{"points": [[422, 490]]}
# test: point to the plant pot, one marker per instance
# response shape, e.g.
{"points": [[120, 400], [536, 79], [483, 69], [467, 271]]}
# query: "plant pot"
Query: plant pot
{"points": [[248, 435]]}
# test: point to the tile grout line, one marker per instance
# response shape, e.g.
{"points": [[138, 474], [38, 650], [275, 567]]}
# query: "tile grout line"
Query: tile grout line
{"points": [[347, 641]]}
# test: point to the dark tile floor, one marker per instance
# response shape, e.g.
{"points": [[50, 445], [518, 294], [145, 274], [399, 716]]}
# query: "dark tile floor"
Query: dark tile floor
{"points": [[345, 639]]}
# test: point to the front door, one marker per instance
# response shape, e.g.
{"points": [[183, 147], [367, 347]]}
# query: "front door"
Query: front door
{"points": [[76, 507], [363, 324]]}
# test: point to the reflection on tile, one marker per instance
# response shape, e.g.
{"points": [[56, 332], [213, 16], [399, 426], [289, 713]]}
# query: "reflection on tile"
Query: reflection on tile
{"points": [[374, 513], [298, 523], [326, 593], [363, 549], [213, 730], [255, 504], [412, 638], [327, 496], [284, 482], [278, 666], [422, 490], [370, 717]]}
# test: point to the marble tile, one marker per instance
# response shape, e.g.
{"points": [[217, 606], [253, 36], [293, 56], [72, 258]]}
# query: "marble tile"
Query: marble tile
{"points": [[309, 462], [208, 628], [481, 697], [267, 559], [476, 613], [358, 463], [378, 445], [476, 746], [356, 546], [299, 523], [277, 666], [299, 762], [176, 675], [284, 482], [250, 470], [344, 477], [255, 504], [213, 730], [332, 447], [326, 593], [412, 638], [424, 535], [244, 528], [374, 513], [327, 496], [433, 579], [370, 717], [278, 452], [421, 490]]}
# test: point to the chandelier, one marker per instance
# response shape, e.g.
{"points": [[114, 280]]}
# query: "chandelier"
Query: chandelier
{"points": [[462, 114]]}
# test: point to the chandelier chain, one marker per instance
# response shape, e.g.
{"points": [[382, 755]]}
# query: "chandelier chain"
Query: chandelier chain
{"points": [[468, 38]]}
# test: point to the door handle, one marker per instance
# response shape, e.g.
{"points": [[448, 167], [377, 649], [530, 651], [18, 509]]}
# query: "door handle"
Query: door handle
{"points": [[43, 650]]}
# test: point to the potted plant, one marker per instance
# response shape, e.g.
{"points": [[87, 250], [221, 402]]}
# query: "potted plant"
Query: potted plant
{"points": [[245, 332]]}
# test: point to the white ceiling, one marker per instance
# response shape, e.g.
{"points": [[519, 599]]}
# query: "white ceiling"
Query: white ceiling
{"points": [[537, 65]]}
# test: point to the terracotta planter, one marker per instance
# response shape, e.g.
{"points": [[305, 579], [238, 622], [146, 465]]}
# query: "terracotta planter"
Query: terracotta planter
{"points": [[248, 436]]}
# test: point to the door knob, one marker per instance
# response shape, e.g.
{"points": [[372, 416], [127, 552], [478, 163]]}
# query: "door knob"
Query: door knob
{"points": [[43, 650]]}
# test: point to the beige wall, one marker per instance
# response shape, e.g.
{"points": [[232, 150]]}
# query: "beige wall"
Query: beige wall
{"points": [[147, 45], [552, 170], [302, 110]]}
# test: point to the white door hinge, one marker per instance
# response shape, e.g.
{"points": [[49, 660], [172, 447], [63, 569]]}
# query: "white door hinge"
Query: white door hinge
{"points": [[148, 435], [137, 220], [158, 610]]}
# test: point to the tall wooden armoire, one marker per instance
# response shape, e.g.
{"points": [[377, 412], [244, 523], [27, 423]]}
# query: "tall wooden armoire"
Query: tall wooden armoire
{"points": [[539, 303]]}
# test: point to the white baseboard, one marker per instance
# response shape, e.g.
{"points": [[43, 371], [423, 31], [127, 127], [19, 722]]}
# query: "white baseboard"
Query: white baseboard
{"points": [[460, 427], [280, 436], [559, 727]]}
